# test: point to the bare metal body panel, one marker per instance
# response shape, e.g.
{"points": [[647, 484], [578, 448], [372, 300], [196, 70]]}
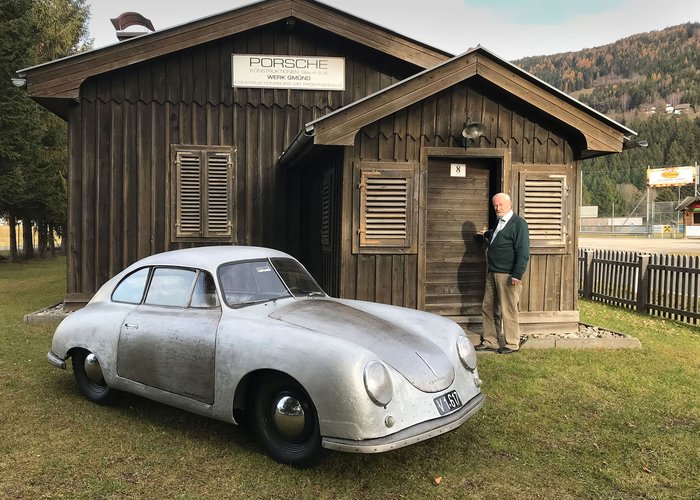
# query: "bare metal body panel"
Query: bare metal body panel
{"points": [[195, 359]]}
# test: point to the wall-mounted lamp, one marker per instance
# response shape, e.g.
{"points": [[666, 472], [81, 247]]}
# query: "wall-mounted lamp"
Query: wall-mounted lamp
{"points": [[472, 131], [19, 82], [630, 143]]}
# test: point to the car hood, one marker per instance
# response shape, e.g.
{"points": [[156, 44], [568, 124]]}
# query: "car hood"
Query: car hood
{"points": [[415, 357]]}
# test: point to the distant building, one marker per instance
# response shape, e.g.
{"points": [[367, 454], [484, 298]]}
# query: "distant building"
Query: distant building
{"points": [[683, 109], [690, 207]]}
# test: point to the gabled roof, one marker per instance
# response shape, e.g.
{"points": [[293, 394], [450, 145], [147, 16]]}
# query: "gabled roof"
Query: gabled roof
{"points": [[687, 201], [602, 135], [61, 79]]}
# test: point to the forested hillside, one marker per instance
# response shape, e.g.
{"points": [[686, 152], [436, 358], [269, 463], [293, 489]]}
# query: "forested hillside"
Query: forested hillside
{"points": [[644, 70], [626, 80]]}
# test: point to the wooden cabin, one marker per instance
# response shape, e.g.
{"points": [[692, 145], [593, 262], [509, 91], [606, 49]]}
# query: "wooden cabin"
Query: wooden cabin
{"points": [[294, 125], [690, 207]]}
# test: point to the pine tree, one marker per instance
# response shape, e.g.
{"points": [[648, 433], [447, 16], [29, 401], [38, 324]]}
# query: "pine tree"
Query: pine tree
{"points": [[33, 152]]}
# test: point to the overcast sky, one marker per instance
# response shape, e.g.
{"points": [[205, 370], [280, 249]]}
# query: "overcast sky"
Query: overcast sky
{"points": [[509, 28]]}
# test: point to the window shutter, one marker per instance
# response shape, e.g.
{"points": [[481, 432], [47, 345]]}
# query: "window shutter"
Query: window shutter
{"points": [[387, 205], [326, 208], [201, 193], [543, 205], [218, 189], [189, 200]]}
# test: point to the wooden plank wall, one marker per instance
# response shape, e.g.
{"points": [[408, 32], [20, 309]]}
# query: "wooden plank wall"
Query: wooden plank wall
{"points": [[550, 284], [121, 132]]}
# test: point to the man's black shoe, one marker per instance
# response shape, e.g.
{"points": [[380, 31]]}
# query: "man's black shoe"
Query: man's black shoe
{"points": [[506, 350], [482, 347]]}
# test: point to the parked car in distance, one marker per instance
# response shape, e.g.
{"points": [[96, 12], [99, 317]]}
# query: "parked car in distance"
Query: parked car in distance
{"points": [[234, 333]]}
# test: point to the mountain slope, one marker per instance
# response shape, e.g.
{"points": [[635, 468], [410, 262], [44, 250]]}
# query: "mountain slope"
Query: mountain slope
{"points": [[634, 73]]}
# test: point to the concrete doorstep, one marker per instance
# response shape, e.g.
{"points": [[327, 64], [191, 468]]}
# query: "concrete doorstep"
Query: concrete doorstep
{"points": [[54, 313], [588, 337]]}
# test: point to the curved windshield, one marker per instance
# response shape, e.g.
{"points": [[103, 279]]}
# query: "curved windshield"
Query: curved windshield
{"points": [[297, 279], [257, 281]]}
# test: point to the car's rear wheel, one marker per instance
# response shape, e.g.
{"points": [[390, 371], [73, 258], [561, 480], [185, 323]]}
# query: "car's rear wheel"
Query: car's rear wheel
{"points": [[91, 381], [286, 422]]}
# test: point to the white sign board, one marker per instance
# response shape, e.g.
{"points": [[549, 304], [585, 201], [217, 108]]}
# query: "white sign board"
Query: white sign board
{"points": [[458, 170], [692, 231], [671, 176], [589, 211], [288, 72]]}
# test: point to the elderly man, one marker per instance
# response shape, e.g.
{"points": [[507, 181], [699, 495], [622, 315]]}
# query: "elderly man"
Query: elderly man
{"points": [[507, 256]]}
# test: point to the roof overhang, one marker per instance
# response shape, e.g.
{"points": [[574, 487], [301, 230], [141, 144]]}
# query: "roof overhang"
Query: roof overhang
{"points": [[601, 134], [61, 79], [687, 202]]}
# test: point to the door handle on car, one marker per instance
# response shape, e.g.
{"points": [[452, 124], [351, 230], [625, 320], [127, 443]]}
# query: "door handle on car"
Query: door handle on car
{"points": [[130, 326]]}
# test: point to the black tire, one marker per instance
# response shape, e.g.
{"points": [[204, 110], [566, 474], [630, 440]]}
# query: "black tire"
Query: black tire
{"points": [[92, 386], [299, 446]]}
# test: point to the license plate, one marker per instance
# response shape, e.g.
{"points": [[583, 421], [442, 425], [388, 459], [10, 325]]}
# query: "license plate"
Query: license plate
{"points": [[447, 403]]}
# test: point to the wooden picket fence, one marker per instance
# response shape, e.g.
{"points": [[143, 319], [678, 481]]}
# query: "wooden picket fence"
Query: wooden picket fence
{"points": [[661, 285]]}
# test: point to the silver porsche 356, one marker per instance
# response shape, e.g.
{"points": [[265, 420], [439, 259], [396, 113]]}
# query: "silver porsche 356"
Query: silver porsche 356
{"points": [[238, 333]]}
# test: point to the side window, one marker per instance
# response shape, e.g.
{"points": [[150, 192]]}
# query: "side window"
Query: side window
{"points": [[170, 287], [204, 294], [131, 288]]}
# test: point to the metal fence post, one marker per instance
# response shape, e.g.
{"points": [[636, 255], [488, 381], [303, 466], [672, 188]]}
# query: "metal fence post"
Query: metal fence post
{"points": [[643, 284], [588, 275]]}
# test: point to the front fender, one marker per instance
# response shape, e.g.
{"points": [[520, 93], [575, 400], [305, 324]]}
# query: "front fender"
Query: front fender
{"points": [[331, 372]]}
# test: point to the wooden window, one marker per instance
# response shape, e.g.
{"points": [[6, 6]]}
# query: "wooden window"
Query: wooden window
{"points": [[202, 204], [543, 202], [387, 205]]}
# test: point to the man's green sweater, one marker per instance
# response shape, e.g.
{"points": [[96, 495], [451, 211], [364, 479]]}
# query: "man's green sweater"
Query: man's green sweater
{"points": [[509, 251]]}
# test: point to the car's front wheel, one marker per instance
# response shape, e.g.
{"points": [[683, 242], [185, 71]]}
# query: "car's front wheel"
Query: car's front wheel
{"points": [[286, 422], [91, 381]]}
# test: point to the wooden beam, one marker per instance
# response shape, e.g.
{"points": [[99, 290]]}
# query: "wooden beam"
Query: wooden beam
{"points": [[599, 136], [62, 79], [339, 127], [382, 40]]}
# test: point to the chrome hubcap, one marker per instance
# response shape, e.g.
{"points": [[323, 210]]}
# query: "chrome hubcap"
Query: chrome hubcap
{"points": [[289, 417], [93, 370]]}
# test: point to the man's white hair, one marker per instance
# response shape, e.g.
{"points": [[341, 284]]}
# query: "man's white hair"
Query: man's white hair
{"points": [[503, 195]]}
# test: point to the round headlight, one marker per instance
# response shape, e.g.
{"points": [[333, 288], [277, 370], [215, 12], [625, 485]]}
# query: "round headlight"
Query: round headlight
{"points": [[466, 353], [378, 383]]}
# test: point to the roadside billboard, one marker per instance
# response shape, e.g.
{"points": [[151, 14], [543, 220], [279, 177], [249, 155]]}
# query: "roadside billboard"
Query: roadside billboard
{"points": [[670, 176]]}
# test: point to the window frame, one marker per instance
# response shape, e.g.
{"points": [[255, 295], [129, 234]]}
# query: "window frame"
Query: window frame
{"points": [[409, 171], [147, 286], [204, 154], [547, 176]]}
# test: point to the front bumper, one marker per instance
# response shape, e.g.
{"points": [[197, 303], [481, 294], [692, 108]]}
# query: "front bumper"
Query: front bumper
{"points": [[55, 360], [415, 434]]}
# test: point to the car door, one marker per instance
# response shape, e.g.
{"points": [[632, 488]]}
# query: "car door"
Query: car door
{"points": [[169, 340]]}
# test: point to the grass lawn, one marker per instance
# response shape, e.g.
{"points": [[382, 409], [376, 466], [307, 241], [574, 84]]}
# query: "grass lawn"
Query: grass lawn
{"points": [[556, 424]]}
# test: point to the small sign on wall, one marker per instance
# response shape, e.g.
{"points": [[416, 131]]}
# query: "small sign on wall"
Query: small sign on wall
{"points": [[458, 170]]}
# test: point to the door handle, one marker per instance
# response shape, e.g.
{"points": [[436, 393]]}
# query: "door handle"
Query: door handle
{"points": [[131, 326]]}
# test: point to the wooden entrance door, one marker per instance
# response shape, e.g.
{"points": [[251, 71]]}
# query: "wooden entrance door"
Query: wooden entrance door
{"points": [[457, 207]]}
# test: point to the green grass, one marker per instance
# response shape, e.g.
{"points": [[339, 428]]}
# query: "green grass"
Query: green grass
{"points": [[557, 424]]}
